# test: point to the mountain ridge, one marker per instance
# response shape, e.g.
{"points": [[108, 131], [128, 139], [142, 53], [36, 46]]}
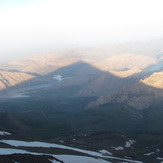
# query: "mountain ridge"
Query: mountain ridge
{"points": [[139, 95]]}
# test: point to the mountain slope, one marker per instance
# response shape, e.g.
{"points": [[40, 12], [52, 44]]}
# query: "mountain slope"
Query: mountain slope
{"points": [[8, 79], [44, 64], [141, 55], [139, 95], [125, 61], [104, 83]]}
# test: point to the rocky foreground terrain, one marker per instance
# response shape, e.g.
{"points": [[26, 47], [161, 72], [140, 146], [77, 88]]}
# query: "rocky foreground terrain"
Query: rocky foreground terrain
{"points": [[121, 148]]}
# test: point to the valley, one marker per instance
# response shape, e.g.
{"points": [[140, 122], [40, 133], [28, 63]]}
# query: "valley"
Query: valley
{"points": [[91, 104]]}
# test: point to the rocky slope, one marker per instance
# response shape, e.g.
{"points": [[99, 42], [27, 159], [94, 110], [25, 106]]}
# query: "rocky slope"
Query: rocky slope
{"points": [[105, 83], [139, 95], [91, 85], [9, 79]]}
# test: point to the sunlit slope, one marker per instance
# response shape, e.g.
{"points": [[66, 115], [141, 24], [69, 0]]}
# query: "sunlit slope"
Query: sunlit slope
{"points": [[155, 80], [125, 61], [8, 79]]}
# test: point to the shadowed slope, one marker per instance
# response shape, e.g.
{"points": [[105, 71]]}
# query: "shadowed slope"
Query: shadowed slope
{"points": [[139, 95]]}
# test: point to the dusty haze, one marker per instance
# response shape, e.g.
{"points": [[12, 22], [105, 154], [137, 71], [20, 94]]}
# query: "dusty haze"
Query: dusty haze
{"points": [[37, 27]]}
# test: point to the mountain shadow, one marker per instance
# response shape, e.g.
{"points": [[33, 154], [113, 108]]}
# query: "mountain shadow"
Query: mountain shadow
{"points": [[56, 104], [77, 74]]}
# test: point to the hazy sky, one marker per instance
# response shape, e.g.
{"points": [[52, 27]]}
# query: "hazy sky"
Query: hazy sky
{"points": [[32, 27]]}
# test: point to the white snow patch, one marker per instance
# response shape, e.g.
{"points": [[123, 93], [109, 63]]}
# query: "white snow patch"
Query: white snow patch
{"points": [[129, 143], [105, 152], [18, 143], [158, 150], [58, 77], [7, 151], [79, 159], [18, 95], [118, 148], [4, 133], [148, 154], [65, 158], [159, 158], [54, 161]]}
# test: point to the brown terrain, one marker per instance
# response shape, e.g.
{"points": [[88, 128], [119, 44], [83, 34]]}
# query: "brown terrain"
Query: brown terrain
{"points": [[125, 61], [96, 72], [139, 95], [128, 75], [8, 79]]}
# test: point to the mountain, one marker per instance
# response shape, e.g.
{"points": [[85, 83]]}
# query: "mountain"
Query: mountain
{"points": [[125, 61], [127, 73], [69, 65], [99, 104], [86, 72], [139, 95], [119, 56], [104, 83], [43, 64], [91, 83], [8, 79]]}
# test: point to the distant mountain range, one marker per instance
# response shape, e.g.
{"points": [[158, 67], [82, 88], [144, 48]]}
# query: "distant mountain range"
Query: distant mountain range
{"points": [[96, 72], [106, 91], [9, 79], [138, 95]]}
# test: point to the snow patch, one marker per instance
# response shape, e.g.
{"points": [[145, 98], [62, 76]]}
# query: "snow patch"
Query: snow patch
{"points": [[127, 157], [159, 158], [18, 95], [158, 150], [129, 143], [8, 151], [118, 148], [105, 152], [54, 161], [79, 159], [58, 77], [148, 154], [18, 143], [4, 133]]}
